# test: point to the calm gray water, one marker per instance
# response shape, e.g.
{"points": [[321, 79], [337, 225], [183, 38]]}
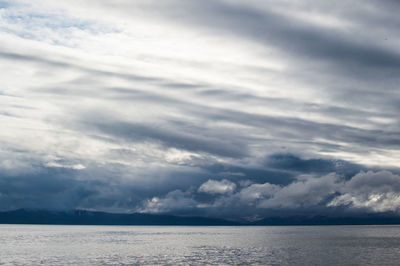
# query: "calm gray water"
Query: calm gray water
{"points": [[99, 245]]}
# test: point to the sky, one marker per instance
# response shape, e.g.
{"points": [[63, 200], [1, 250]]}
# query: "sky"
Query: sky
{"points": [[218, 108]]}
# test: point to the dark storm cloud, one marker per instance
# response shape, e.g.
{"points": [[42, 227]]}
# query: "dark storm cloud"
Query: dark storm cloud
{"points": [[50, 188], [173, 138], [105, 187], [301, 130], [316, 186], [319, 166], [255, 174], [192, 136]]}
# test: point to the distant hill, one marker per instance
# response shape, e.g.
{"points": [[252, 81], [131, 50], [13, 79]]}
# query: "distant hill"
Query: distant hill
{"points": [[376, 219], [82, 217]]}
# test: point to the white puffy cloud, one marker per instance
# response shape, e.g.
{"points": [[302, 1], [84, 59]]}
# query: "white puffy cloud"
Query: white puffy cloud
{"points": [[257, 191], [370, 191], [217, 187], [374, 191], [303, 193]]}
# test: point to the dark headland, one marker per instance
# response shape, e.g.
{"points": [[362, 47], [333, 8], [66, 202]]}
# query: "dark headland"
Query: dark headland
{"points": [[83, 217]]}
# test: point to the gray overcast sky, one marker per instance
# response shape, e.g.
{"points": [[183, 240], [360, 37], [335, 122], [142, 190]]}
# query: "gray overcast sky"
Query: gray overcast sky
{"points": [[235, 109]]}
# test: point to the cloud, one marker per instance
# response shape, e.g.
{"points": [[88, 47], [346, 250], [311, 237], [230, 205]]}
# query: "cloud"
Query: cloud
{"points": [[257, 192], [190, 141], [312, 166], [303, 193], [48, 188], [213, 108], [174, 201], [365, 192], [373, 191], [217, 187]]}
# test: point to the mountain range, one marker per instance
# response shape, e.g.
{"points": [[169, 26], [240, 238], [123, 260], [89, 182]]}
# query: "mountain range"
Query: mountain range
{"points": [[84, 217]]}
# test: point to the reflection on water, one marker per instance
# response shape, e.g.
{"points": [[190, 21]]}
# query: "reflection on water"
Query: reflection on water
{"points": [[291, 245]]}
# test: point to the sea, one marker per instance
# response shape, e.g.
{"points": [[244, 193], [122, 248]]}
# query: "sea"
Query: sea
{"points": [[199, 245]]}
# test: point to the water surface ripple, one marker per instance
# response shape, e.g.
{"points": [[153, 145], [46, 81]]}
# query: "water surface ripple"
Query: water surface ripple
{"points": [[186, 245]]}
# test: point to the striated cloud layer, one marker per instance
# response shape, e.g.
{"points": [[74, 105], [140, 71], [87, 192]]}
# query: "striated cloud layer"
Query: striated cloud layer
{"points": [[225, 108]]}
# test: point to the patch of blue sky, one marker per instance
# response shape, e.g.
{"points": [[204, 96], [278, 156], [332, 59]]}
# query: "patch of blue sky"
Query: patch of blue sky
{"points": [[54, 22], [22, 34], [4, 4], [29, 25]]}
